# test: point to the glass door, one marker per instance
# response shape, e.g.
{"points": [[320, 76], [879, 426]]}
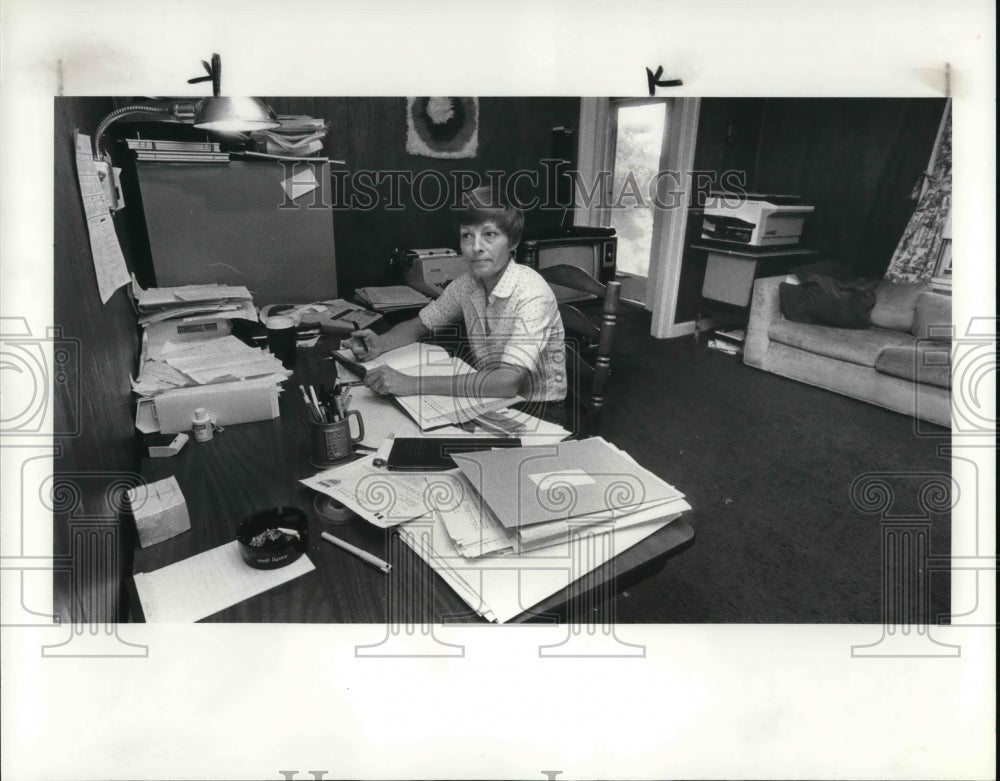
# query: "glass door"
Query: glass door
{"points": [[638, 129]]}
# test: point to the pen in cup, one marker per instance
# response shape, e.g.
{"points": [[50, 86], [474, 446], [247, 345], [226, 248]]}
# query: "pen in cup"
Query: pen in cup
{"points": [[361, 554], [315, 414]]}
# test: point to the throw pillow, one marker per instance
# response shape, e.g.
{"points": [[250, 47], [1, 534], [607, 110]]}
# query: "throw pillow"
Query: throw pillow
{"points": [[821, 300], [932, 317], [894, 302], [825, 268]]}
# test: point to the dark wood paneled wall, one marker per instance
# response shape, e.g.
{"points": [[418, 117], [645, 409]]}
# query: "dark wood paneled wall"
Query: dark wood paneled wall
{"points": [[369, 133], [728, 136], [93, 416], [856, 160]]}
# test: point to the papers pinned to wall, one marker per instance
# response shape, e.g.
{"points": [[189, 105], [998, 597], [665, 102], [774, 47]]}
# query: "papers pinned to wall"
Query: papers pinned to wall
{"points": [[109, 263]]}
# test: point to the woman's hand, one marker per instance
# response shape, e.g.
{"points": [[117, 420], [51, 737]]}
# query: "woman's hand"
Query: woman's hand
{"points": [[365, 344], [389, 382]]}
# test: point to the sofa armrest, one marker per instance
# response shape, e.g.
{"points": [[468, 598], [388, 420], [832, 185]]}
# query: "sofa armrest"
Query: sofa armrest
{"points": [[765, 308]]}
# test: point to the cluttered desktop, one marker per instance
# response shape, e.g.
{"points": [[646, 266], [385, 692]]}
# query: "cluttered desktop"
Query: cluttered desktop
{"points": [[277, 487]]}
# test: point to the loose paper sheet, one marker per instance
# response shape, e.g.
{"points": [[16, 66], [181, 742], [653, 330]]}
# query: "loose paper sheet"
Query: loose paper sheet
{"points": [[433, 411], [199, 586], [380, 497], [109, 263], [501, 587], [300, 183]]}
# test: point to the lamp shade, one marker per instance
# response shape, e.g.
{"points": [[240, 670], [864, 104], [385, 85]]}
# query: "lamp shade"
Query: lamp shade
{"points": [[234, 115]]}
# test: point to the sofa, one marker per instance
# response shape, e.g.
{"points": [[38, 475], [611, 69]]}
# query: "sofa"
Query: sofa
{"points": [[900, 360]]}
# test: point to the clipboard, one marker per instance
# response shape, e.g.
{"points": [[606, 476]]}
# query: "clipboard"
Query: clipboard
{"points": [[434, 454]]}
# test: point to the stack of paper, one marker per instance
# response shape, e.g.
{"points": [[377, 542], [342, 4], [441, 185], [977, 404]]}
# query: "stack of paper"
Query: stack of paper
{"points": [[498, 567], [502, 587], [193, 303], [298, 136], [433, 411], [222, 359], [565, 510], [189, 359], [386, 299]]}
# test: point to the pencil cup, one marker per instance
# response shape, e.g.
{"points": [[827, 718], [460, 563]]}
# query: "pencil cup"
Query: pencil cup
{"points": [[331, 443]]}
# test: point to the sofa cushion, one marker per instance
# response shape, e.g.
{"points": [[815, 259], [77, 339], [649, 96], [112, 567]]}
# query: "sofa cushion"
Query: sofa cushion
{"points": [[823, 300], [824, 268], [932, 317], [894, 302], [860, 346], [924, 362]]}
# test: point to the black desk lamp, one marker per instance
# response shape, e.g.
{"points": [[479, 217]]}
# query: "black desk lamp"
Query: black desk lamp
{"points": [[215, 113]]}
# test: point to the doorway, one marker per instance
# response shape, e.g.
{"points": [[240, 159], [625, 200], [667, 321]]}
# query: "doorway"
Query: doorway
{"points": [[638, 128], [596, 154]]}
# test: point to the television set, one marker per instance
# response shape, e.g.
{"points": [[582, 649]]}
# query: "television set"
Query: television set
{"points": [[591, 249]]}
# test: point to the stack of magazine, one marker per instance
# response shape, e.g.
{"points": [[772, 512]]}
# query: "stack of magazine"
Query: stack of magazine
{"points": [[729, 342], [152, 151]]}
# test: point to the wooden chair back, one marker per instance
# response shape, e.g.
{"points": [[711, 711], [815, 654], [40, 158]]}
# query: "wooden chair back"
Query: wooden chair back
{"points": [[588, 347]]}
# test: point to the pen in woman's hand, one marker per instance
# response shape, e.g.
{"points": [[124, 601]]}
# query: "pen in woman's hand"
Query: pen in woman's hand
{"points": [[361, 343]]}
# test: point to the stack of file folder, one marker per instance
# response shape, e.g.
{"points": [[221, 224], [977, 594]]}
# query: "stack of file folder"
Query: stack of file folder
{"points": [[390, 298], [510, 527], [192, 303]]}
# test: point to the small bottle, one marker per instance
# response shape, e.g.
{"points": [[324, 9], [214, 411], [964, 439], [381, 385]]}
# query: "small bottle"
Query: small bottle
{"points": [[201, 425]]}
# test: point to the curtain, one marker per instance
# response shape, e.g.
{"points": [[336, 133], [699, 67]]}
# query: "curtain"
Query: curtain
{"points": [[917, 253]]}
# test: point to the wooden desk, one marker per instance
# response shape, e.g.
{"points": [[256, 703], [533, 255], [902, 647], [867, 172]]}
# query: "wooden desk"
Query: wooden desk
{"points": [[254, 466]]}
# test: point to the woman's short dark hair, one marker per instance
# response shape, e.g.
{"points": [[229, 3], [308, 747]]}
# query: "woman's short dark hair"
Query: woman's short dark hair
{"points": [[485, 204]]}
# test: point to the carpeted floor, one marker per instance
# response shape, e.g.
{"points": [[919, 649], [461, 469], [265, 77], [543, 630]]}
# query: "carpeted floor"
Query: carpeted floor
{"points": [[767, 464]]}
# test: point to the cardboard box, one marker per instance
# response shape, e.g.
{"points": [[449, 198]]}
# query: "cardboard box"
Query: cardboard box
{"points": [[159, 510], [227, 403]]}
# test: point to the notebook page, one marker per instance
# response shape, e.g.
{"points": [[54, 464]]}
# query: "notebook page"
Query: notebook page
{"points": [[201, 585]]}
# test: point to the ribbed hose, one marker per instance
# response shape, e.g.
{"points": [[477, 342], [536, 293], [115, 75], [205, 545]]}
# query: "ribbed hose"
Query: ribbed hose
{"points": [[118, 114]]}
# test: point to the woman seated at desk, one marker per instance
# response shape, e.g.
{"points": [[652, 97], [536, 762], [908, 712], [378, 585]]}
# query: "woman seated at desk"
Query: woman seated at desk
{"points": [[510, 314]]}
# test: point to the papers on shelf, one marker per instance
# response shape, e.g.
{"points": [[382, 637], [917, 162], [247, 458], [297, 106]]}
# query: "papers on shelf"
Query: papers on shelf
{"points": [[157, 298], [427, 410], [197, 587], [192, 303]]}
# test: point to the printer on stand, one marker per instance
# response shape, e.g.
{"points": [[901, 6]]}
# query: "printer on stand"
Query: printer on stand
{"points": [[754, 220]]}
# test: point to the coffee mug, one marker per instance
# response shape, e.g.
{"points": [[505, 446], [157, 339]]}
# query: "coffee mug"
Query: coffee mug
{"points": [[331, 443], [281, 339]]}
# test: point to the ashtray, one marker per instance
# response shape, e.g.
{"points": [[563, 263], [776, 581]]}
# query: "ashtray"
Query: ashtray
{"points": [[273, 538]]}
